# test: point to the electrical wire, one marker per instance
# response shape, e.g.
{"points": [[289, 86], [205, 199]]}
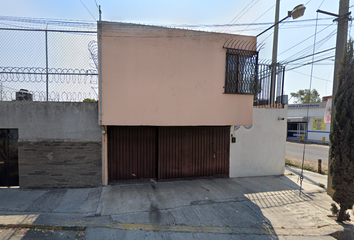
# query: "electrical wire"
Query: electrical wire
{"points": [[313, 61], [258, 18], [88, 10], [272, 33], [93, 24], [308, 109], [310, 76], [310, 55], [306, 50], [305, 39], [321, 4], [237, 15], [244, 13], [308, 2]]}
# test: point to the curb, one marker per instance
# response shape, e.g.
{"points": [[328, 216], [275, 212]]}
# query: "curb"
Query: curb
{"points": [[307, 142], [326, 230], [65, 228]]}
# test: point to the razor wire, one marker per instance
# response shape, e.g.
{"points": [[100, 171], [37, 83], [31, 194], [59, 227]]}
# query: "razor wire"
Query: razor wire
{"points": [[62, 84], [48, 65]]}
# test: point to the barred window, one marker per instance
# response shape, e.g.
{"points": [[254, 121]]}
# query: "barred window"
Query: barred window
{"points": [[241, 71]]}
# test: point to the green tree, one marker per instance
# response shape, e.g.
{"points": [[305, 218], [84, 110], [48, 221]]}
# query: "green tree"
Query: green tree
{"points": [[302, 96], [342, 136]]}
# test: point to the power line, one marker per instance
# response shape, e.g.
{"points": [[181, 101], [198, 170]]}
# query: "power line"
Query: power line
{"points": [[310, 55], [244, 13], [91, 24], [238, 15], [88, 10], [304, 40], [308, 2], [307, 49], [272, 33], [244, 24], [310, 76], [310, 63], [258, 18]]}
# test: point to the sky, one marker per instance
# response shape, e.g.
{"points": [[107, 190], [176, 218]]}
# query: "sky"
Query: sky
{"points": [[296, 37]]}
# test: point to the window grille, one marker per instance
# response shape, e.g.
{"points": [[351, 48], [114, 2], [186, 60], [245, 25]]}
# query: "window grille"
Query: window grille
{"points": [[241, 74]]}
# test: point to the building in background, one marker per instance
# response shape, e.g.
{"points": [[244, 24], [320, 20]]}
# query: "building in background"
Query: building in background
{"points": [[308, 121]]}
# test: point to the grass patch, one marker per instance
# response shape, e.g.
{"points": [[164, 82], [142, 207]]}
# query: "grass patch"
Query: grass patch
{"points": [[293, 164]]}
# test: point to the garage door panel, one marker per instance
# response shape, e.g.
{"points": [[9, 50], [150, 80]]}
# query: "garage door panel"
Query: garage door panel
{"points": [[193, 152], [131, 153]]}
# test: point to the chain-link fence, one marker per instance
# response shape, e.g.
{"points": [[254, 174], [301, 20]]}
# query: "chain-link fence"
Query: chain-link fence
{"points": [[47, 64]]}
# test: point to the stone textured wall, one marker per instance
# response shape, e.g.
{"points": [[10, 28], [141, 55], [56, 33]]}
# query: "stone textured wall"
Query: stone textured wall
{"points": [[60, 164], [59, 143]]}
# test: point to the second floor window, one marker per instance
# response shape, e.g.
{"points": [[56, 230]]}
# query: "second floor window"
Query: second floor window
{"points": [[241, 72]]}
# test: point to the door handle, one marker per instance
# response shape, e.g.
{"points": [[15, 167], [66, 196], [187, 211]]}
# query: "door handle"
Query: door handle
{"points": [[214, 155], [2, 162]]}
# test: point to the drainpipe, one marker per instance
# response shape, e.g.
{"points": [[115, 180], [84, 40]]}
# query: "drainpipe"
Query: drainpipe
{"points": [[103, 128]]}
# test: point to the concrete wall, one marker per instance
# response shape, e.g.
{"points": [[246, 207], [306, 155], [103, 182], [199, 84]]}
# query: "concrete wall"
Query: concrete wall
{"points": [[59, 143], [168, 77], [260, 150]]}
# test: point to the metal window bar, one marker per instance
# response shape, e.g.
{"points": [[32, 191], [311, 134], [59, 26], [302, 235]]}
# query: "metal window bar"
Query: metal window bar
{"points": [[241, 75], [262, 98]]}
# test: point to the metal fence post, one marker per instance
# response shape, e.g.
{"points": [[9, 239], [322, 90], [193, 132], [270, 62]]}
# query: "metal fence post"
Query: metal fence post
{"points": [[46, 60], [100, 63]]}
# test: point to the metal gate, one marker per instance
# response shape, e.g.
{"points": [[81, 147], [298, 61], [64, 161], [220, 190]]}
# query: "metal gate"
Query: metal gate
{"points": [[166, 153], [9, 157], [193, 152], [132, 153]]}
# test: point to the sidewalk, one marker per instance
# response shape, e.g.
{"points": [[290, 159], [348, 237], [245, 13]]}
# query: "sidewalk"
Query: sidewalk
{"points": [[237, 208]]}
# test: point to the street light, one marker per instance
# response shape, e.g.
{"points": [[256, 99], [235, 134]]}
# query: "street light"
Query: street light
{"points": [[297, 12]]}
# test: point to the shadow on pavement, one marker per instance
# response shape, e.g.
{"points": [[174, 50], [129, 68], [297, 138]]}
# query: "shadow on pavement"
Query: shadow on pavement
{"points": [[206, 206], [298, 172]]}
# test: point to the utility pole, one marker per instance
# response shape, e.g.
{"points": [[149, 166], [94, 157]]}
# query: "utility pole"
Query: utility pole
{"points": [[274, 55], [342, 37]]}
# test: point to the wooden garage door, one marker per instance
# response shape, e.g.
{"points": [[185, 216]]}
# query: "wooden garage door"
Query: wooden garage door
{"points": [[193, 152], [132, 153]]}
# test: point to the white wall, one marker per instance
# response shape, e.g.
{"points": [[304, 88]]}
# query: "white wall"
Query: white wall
{"points": [[300, 110], [260, 150]]}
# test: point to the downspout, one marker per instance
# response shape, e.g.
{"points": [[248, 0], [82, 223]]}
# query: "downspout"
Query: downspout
{"points": [[103, 128]]}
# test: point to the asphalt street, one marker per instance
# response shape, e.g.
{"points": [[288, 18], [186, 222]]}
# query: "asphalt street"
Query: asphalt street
{"points": [[313, 152]]}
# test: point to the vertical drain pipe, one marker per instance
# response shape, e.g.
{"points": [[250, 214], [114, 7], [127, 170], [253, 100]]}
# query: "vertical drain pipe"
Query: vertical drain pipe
{"points": [[104, 133]]}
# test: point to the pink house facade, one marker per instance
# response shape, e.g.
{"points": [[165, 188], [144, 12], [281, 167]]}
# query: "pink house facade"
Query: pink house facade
{"points": [[169, 98]]}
